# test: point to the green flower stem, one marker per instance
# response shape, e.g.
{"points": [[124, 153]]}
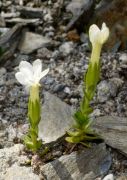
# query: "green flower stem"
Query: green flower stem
{"points": [[34, 114], [34, 93], [91, 79], [95, 55], [82, 132]]}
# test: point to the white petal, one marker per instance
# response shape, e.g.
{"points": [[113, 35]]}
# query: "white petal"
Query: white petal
{"points": [[94, 31], [27, 74], [26, 65], [22, 79], [109, 177], [104, 33], [43, 73], [37, 68]]}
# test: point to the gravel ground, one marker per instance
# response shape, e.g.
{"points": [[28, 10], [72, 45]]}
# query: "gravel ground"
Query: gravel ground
{"points": [[65, 80]]}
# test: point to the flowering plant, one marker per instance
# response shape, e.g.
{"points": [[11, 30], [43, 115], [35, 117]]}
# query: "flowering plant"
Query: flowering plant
{"points": [[30, 76], [82, 132]]}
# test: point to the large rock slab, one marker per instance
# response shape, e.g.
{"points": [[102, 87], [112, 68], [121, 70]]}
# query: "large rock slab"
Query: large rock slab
{"points": [[31, 42], [113, 130], [86, 165], [20, 173], [11, 168], [80, 9], [9, 42], [8, 156], [56, 118]]}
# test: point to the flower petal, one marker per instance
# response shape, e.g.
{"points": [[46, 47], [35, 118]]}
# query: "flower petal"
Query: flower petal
{"points": [[104, 33], [37, 68], [26, 65], [94, 31], [27, 74], [43, 73], [22, 79]]}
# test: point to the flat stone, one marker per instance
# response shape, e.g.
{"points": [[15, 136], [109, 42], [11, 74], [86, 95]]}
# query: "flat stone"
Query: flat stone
{"points": [[34, 21], [30, 12], [10, 15], [20, 173], [75, 6], [2, 22], [122, 178], [86, 165], [8, 156], [80, 9], [113, 130], [56, 119], [31, 42], [9, 42]]}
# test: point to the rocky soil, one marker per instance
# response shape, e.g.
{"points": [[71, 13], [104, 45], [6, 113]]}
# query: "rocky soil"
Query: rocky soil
{"points": [[48, 30]]}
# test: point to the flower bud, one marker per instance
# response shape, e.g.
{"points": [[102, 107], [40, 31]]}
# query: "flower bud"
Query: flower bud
{"points": [[97, 35]]}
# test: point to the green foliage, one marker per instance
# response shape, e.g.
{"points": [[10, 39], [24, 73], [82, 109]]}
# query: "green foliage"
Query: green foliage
{"points": [[31, 139], [34, 112], [82, 132]]}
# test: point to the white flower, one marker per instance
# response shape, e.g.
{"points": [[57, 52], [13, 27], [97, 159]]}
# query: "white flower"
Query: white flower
{"points": [[30, 75], [109, 177], [97, 35]]}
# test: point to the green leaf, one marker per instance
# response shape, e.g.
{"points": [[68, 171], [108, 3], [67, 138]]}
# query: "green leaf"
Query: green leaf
{"points": [[74, 134], [79, 117], [34, 113], [92, 76], [30, 144], [72, 139]]}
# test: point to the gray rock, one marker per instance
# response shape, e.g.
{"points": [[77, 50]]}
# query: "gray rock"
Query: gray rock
{"points": [[86, 165], [34, 22], [58, 87], [31, 42], [123, 58], [44, 53], [80, 9], [96, 113], [9, 42], [3, 30], [122, 177], [2, 76], [12, 133], [48, 17], [19, 58], [67, 90], [30, 12], [107, 89], [75, 6], [113, 130], [56, 119], [66, 48], [20, 173], [8, 156], [2, 22], [103, 91], [10, 15]]}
